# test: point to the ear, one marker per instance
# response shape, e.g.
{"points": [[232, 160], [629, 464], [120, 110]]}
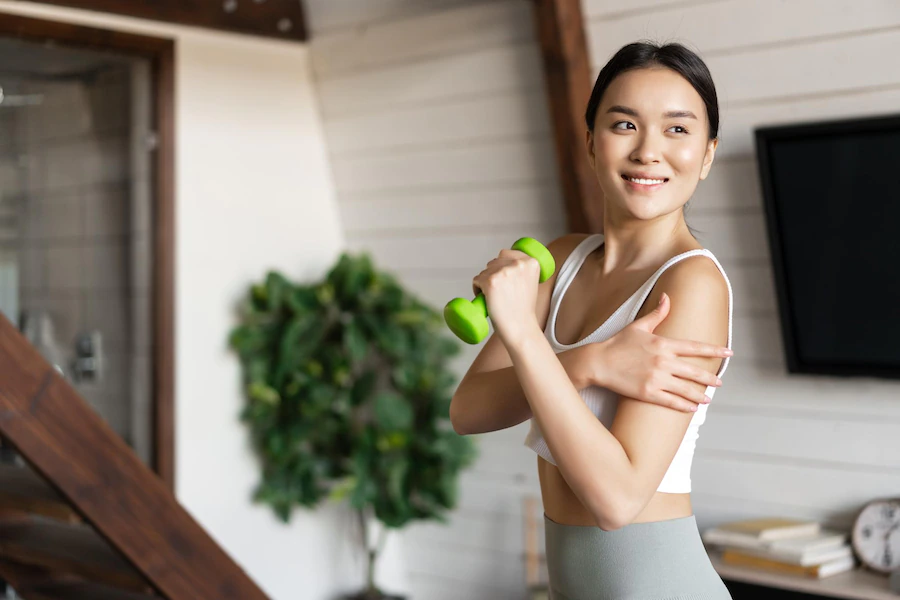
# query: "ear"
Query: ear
{"points": [[589, 142], [708, 159]]}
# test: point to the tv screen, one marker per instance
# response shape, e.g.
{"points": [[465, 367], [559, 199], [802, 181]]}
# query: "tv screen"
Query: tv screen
{"points": [[831, 192]]}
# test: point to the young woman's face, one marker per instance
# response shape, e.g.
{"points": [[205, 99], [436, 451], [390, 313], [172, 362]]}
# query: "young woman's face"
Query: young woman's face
{"points": [[650, 145]]}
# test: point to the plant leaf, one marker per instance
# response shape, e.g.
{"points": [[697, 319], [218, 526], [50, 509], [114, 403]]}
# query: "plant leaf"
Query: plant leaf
{"points": [[392, 412], [355, 341]]}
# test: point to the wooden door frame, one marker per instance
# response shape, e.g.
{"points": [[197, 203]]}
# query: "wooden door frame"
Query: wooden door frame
{"points": [[161, 54]]}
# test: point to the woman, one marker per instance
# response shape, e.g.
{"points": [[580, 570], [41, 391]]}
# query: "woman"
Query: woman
{"points": [[600, 388]]}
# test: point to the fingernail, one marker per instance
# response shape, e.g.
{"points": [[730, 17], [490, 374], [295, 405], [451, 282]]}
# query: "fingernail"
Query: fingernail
{"points": [[708, 399], [718, 381], [694, 408], [728, 352]]}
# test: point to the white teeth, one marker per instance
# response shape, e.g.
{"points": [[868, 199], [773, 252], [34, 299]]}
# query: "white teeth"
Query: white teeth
{"points": [[646, 181]]}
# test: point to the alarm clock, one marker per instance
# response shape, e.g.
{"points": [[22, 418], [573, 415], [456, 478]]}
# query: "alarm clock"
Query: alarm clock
{"points": [[876, 535]]}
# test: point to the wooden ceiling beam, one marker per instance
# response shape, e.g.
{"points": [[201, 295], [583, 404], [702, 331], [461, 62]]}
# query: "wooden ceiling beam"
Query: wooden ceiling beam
{"points": [[567, 78], [282, 19]]}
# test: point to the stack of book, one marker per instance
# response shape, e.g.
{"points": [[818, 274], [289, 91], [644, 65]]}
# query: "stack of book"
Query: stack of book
{"points": [[792, 546]]}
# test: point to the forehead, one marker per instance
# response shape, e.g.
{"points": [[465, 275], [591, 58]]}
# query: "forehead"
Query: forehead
{"points": [[652, 92]]}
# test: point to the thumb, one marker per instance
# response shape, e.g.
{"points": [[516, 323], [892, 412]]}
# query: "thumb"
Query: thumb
{"points": [[650, 321]]}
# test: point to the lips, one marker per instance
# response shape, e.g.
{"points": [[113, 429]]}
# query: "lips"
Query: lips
{"points": [[643, 176], [644, 187]]}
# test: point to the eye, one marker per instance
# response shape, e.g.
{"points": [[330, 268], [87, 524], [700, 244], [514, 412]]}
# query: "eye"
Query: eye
{"points": [[616, 125], [683, 130]]}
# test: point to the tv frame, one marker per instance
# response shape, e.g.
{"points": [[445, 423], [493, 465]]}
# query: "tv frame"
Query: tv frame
{"points": [[763, 137]]}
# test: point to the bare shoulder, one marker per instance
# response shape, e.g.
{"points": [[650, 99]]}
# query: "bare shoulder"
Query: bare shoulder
{"points": [[695, 275], [563, 246], [698, 294], [698, 280]]}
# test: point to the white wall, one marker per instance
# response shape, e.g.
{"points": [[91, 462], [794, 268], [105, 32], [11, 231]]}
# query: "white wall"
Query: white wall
{"points": [[253, 192], [437, 129]]}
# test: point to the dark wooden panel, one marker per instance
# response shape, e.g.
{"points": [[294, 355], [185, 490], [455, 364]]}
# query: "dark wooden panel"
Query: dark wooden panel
{"points": [[748, 591], [81, 591], [282, 19], [33, 583], [164, 268], [62, 437], [69, 549], [21, 489], [567, 78]]}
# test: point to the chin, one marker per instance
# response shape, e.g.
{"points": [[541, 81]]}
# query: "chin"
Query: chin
{"points": [[644, 209]]}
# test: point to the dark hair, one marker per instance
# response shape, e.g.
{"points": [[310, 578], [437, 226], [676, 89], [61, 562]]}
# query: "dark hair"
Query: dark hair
{"points": [[640, 55]]}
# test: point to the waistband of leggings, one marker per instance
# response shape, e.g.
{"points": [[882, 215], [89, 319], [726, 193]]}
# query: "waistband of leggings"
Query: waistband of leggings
{"points": [[689, 521]]}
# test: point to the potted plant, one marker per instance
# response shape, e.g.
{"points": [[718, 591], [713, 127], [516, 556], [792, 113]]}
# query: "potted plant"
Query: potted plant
{"points": [[348, 396]]}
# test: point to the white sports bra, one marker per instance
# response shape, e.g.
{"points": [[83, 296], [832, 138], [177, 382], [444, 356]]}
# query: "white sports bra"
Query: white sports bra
{"points": [[604, 402]]}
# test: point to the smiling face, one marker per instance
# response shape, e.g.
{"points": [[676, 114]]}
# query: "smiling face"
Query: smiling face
{"points": [[650, 146]]}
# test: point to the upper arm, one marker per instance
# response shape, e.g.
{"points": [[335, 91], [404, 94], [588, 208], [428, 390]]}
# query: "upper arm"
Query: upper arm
{"points": [[493, 354], [651, 434]]}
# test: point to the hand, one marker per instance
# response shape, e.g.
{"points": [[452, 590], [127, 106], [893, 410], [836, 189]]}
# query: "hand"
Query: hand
{"points": [[510, 285], [638, 364]]}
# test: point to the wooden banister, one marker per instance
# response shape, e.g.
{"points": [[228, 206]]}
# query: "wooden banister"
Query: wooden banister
{"points": [[95, 472]]}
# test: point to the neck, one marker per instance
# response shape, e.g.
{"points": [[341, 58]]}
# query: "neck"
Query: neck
{"points": [[634, 244]]}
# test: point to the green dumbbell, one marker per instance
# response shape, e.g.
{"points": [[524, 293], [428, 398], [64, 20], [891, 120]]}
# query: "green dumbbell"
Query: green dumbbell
{"points": [[468, 318]]}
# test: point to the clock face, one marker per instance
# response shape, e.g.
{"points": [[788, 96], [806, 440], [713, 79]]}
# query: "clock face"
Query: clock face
{"points": [[876, 535]]}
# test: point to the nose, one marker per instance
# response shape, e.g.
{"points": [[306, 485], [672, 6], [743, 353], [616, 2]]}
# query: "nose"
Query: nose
{"points": [[647, 150]]}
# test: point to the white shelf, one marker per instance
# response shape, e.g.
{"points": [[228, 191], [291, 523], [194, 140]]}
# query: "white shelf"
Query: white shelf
{"points": [[858, 584]]}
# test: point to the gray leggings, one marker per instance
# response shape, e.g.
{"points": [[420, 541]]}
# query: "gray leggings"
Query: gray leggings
{"points": [[660, 560]]}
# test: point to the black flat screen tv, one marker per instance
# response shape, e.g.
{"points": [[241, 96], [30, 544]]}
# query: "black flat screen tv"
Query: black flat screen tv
{"points": [[831, 192]]}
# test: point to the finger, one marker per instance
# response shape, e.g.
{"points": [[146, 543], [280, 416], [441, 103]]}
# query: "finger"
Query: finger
{"points": [[691, 348], [686, 370], [650, 321], [675, 402], [690, 391], [476, 288]]}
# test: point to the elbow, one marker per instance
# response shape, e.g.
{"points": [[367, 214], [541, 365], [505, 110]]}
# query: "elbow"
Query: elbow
{"points": [[609, 522], [613, 514], [456, 419]]}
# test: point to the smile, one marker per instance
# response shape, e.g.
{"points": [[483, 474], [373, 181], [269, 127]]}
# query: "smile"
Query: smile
{"points": [[646, 184]]}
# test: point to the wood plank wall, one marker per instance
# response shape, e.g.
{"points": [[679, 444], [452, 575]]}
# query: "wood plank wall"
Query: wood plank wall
{"points": [[442, 154]]}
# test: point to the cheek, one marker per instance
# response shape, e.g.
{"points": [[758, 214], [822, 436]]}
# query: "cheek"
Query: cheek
{"points": [[688, 158], [608, 149]]}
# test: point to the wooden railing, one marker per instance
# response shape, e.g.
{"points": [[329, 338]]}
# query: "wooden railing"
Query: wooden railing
{"points": [[86, 518]]}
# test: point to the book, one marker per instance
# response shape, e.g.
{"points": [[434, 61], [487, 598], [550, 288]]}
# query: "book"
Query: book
{"points": [[789, 547], [717, 537], [739, 558], [826, 539], [806, 559], [772, 528]]}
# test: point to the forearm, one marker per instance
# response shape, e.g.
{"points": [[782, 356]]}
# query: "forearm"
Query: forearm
{"points": [[494, 400], [590, 458]]}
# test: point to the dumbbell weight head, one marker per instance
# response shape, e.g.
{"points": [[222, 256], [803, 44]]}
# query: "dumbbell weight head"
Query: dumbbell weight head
{"points": [[468, 319]]}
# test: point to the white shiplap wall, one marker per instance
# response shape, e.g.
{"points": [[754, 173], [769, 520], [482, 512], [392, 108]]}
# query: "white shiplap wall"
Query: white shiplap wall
{"points": [[800, 446], [442, 154], [441, 150]]}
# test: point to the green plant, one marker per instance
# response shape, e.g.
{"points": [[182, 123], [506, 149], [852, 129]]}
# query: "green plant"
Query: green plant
{"points": [[348, 396]]}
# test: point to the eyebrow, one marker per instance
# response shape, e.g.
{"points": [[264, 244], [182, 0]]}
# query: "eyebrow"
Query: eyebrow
{"points": [[672, 114]]}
